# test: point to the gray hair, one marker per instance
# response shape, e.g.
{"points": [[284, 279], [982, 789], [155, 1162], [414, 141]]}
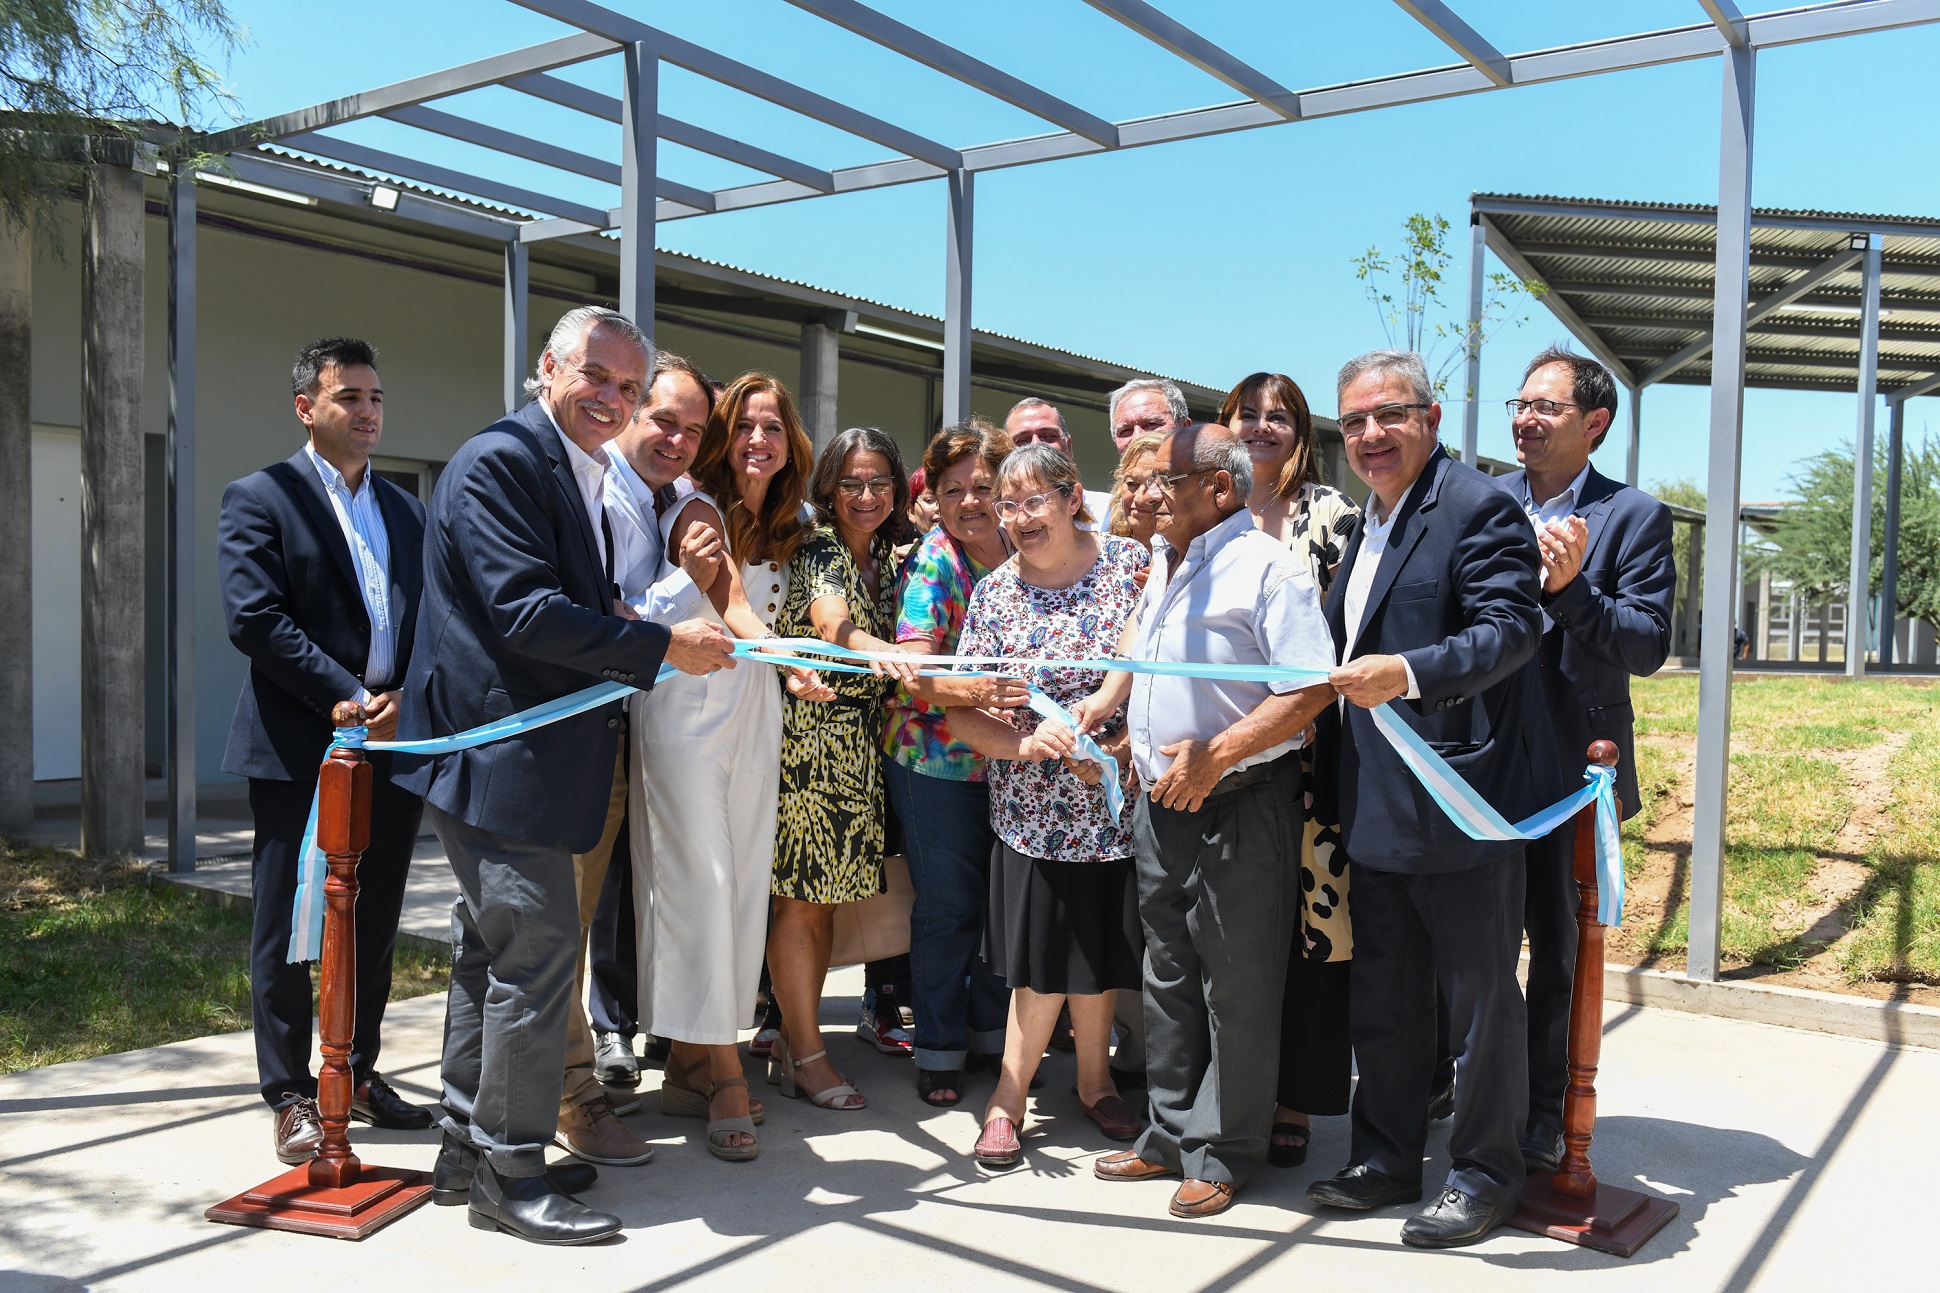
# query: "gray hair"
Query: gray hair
{"points": [[1046, 465], [1221, 450], [1405, 364], [572, 328], [1175, 399], [1033, 402]]}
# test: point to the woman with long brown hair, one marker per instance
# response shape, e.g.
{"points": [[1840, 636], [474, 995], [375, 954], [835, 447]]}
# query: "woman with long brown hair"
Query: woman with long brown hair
{"points": [[708, 759]]}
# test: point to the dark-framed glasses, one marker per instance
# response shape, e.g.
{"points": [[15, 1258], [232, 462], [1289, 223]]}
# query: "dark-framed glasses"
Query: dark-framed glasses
{"points": [[1034, 506], [1389, 417], [857, 486], [1541, 408]]}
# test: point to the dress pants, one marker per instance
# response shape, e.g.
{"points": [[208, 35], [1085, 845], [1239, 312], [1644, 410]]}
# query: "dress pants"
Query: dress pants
{"points": [[279, 992], [515, 933], [589, 882], [1549, 919], [613, 992], [1218, 898], [1460, 930]]}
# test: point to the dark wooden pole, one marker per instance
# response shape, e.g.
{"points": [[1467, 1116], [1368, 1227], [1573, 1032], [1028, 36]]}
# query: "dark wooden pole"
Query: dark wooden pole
{"points": [[343, 833]]}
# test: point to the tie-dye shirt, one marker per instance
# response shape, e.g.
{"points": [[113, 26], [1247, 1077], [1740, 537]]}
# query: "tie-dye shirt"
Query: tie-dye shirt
{"points": [[932, 599]]}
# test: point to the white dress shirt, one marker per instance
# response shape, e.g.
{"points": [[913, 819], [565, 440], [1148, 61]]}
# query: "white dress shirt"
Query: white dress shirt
{"points": [[1237, 596], [639, 551], [1555, 509], [1360, 580], [370, 556], [589, 473]]}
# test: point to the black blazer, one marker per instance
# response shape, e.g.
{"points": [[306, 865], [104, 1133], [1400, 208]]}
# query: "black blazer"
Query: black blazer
{"points": [[1613, 620], [517, 610], [295, 607], [1455, 595]]}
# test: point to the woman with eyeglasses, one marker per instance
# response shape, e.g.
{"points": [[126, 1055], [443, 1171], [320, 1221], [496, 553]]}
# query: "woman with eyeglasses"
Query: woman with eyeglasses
{"points": [[1063, 925], [936, 782], [829, 837], [1269, 413]]}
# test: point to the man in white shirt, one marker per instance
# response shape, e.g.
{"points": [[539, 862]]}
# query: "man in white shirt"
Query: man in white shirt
{"points": [[1217, 824]]}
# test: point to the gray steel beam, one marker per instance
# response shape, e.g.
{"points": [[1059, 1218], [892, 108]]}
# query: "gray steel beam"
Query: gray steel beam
{"points": [[1925, 386], [1730, 304], [1634, 449], [954, 63], [1472, 380], [1449, 28], [1889, 581], [576, 48], [342, 189], [716, 67], [517, 322], [1730, 23], [1859, 580], [505, 141], [440, 177], [1767, 305], [179, 525], [959, 234], [1505, 251], [1203, 54], [639, 158]]}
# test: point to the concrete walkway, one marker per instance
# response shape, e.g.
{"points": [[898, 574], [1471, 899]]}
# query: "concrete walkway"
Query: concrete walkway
{"points": [[1800, 1161]]}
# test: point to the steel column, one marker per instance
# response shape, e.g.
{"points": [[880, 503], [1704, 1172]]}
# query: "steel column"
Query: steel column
{"points": [[1478, 246], [1721, 513], [518, 260], [1889, 583], [179, 579], [1859, 579], [956, 298], [1635, 446], [639, 159]]}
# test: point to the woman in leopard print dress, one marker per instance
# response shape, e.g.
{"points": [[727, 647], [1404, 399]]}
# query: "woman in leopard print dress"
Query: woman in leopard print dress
{"points": [[1268, 412]]}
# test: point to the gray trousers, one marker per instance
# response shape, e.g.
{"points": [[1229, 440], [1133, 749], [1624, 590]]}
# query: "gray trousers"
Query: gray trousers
{"points": [[515, 941], [1216, 889]]}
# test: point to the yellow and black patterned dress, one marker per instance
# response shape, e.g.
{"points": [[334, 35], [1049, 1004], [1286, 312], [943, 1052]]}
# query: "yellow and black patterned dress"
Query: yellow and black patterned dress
{"points": [[829, 838]]}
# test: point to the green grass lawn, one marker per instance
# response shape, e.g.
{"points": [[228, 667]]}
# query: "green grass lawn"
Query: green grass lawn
{"points": [[1896, 936], [101, 957]]}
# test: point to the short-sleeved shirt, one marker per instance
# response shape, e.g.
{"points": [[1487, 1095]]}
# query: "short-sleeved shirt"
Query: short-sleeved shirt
{"points": [[1039, 809], [935, 595]]}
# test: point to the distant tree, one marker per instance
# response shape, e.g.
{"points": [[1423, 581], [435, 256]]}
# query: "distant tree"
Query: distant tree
{"points": [[1682, 493], [82, 78], [1405, 290]]}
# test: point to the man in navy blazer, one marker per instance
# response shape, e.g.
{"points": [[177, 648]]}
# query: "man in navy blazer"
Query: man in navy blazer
{"points": [[1608, 581], [321, 566], [520, 607], [1434, 608]]}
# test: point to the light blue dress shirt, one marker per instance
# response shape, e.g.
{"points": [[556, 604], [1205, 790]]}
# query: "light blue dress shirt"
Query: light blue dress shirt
{"points": [[370, 556]]}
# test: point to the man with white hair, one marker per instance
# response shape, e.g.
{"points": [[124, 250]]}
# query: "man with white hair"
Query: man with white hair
{"points": [[1144, 404], [1035, 421]]}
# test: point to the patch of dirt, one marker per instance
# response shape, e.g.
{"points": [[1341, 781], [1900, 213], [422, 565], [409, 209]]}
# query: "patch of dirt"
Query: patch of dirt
{"points": [[32, 877]]}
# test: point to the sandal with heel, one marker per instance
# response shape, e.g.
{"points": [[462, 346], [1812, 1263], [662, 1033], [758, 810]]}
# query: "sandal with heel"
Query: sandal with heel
{"points": [[719, 1129], [680, 1100], [785, 1072]]}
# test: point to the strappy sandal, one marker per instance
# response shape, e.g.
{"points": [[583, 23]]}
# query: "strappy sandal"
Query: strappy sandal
{"points": [[785, 1072], [1287, 1145], [719, 1129], [679, 1100], [998, 1147]]}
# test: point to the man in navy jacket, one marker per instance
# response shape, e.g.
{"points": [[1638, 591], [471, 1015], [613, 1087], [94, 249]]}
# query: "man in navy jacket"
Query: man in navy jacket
{"points": [[320, 563], [1608, 581], [520, 607], [1434, 608]]}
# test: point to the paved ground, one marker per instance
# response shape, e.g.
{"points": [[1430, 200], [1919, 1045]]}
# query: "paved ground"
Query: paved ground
{"points": [[1800, 1161]]}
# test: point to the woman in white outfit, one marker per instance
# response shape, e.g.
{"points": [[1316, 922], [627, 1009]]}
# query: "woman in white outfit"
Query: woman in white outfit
{"points": [[707, 757]]}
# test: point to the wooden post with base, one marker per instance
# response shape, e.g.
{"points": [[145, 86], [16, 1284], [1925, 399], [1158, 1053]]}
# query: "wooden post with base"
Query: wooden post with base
{"points": [[335, 1194], [1571, 1204]]}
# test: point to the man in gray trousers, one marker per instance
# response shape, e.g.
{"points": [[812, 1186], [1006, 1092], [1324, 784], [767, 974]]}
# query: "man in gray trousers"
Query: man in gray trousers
{"points": [[1217, 824]]}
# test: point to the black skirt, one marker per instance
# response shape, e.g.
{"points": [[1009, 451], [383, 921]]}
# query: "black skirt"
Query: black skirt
{"points": [[1063, 927]]}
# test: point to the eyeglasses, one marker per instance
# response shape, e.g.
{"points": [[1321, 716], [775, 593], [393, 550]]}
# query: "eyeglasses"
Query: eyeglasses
{"points": [[1389, 417], [1034, 506], [1136, 485], [1167, 484], [857, 486], [1542, 408]]}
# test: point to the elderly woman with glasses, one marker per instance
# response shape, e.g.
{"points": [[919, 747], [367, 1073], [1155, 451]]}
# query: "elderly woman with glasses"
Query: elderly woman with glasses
{"points": [[1063, 924]]}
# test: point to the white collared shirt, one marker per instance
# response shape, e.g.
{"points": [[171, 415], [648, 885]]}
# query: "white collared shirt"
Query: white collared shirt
{"points": [[1360, 581], [1237, 596], [589, 473], [1555, 509], [639, 552], [370, 556]]}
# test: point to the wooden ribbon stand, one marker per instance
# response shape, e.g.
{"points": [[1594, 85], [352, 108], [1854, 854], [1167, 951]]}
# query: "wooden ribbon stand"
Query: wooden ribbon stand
{"points": [[335, 1194], [1571, 1204]]}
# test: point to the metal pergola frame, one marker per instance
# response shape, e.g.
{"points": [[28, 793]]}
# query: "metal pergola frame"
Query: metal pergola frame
{"points": [[645, 198]]}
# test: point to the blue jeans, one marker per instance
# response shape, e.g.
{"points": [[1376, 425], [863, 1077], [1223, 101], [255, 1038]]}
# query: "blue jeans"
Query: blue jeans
{"points": [[959, 1004]]}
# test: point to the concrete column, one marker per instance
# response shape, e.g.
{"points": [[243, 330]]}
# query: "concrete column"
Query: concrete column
{"points": [[1795, 628], [1478, 245], [1859, 582], [1825, 631], [639, 168], [517, 259], [112, 764], [16, 527], [1889, 582], [820, 358], [180, 578], [956, 298], [1761, 643]]}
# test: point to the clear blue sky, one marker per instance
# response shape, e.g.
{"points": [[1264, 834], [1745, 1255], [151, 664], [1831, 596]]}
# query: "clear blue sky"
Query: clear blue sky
{"points": [[1205, 259]]}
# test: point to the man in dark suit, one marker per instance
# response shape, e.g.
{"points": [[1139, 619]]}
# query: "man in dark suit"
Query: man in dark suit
{"points": [[321, 567], [1608, 581], [519, 608], [1436, 608]]}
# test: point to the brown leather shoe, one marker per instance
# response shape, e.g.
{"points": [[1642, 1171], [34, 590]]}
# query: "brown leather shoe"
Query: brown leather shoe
{"points": [[1126, 1165], [298, 1129], [1201, 1198]]}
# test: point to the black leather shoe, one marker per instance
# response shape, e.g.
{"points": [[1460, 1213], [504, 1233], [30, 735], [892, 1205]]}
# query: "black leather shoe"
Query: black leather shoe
{"points": [[451, 1179], [1542, 1148], [1362, 1189], [1454, 1219], [614, 1062], [374, 1102], [529, 1207], [1128, 1079], [1441, 1101]]}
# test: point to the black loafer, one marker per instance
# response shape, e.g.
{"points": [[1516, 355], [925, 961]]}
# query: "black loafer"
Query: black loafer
{"points": [[1361, 1189], [1453, 1220], [614, 1062], [529, 1207], [1441, 1102], [1542, 1148], [374, 1102], [451, 1179]]}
